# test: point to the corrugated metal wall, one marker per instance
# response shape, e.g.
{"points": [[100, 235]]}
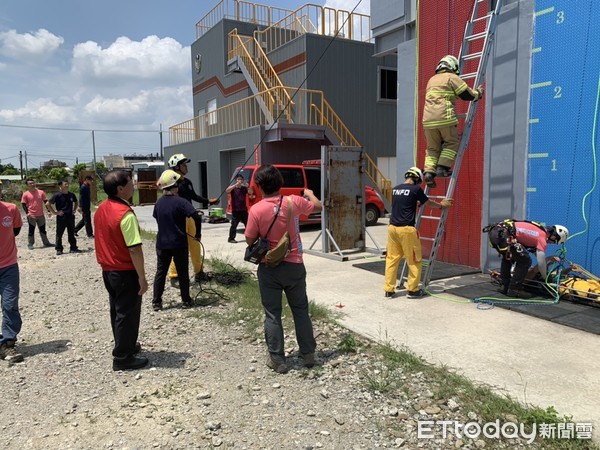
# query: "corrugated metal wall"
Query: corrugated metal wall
{"points": [[441, 26]]}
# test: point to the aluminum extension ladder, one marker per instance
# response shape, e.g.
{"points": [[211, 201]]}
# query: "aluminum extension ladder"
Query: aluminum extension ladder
{"points": [[479, 33]]}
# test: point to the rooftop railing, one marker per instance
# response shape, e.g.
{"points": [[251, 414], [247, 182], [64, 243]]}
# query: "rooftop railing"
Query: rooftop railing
{"points": [[242, 11]]}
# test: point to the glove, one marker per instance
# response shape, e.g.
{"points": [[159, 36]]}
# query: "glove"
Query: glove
{"points": [[480, 90], [447, 202], [213, 201]]}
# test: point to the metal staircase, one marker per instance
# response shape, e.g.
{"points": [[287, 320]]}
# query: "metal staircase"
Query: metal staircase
{"points": [[473, 57], [247, 54]]}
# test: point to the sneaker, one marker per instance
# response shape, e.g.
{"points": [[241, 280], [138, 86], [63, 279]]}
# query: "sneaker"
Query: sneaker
{"points": [[503, 291], [309, 359], [416, 294], [187, 304], [518, 293], [232, 241], [48, 244], [75, 250], [430, 179], [10, 353], [157, 306], [174, 282], [443, 172], [30, 246], [91, 236], [131, 363], [389, 294], [59, 252], [277, 366]]}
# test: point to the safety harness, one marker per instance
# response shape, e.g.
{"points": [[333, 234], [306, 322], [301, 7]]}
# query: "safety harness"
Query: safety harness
{"points": [[503, 235]]}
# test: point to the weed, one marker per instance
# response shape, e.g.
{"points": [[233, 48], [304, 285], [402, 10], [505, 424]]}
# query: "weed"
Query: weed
{"points": [[348, 344]]}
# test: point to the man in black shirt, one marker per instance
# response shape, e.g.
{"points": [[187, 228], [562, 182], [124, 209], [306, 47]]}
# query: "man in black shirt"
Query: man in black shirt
{"points": [[178, 163], [85, 207], [65, 203], [403, 239]]}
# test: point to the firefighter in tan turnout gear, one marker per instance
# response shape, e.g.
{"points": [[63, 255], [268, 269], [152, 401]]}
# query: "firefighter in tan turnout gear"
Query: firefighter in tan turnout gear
{"points": [[439, 117]]}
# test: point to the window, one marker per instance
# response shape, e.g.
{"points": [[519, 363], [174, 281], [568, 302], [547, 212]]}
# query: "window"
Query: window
{"points": [[292, 178], [387, 83], [211, 107], [313, 180]]}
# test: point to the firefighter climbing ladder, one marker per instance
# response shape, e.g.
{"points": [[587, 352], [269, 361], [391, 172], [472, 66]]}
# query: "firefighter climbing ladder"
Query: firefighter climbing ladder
{"points": [[479, 33]]}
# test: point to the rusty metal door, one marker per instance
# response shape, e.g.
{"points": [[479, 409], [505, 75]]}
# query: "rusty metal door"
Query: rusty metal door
{"points": [[343, 187], [147, 186]]}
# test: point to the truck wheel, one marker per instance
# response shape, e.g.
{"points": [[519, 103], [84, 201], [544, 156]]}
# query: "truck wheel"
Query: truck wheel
{"points": [[371, 215]]}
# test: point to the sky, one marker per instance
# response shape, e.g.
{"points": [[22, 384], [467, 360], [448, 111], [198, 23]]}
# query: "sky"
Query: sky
{"points": [[121, 68]]}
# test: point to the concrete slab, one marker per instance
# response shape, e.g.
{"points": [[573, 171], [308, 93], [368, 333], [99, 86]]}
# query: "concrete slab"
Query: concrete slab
{"points": [[533, 360]]}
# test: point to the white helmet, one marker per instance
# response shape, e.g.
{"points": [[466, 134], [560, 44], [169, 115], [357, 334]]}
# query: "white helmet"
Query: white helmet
{"points": [[414, 173], [448, 62], [176, 159], [561, 234], [167, 179]]}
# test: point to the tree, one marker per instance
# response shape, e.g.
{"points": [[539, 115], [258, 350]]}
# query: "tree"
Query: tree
{"points": [[9, 169], [58, 173], [78, 168]]}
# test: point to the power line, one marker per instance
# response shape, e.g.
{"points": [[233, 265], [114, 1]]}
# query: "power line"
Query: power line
{"points": [[31, 127]]}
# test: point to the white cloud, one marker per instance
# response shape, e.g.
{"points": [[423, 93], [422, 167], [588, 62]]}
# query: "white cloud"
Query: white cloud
{"points": [[149, 59], [42, 109], [363, 8], [29, 47]]}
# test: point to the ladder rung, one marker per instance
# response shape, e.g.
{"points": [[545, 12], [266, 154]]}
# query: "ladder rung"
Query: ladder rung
{"points": [[476, 36], [468, 76], [427, 239], [472, 56], [461, 115], [431, 217], [479, 19]]}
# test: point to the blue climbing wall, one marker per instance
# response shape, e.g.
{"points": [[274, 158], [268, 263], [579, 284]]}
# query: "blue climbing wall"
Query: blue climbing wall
{"points": [[563, 185]]}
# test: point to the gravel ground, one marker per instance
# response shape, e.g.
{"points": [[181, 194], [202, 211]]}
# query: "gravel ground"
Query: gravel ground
{"points": [[207, 385]]}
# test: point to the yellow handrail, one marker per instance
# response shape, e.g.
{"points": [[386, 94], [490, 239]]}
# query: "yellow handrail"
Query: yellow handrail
{"points": [[316, 19], [242, 11]]}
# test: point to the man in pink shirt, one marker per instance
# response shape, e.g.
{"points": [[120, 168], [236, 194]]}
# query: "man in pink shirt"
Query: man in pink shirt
{"points": [[33, 201], [513, 240], [290, 275], [10, 226]]}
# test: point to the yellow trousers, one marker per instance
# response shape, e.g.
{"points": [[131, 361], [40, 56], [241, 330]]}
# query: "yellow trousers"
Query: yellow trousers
{"points": [[193, 248], [403, 242]]}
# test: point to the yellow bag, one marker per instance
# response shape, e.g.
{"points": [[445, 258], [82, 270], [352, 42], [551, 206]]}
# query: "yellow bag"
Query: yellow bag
{"points": [[278, 253]]}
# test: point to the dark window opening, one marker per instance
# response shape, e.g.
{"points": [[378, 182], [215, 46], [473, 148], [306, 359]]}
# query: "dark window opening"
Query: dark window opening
{"points": [[388, 84]]}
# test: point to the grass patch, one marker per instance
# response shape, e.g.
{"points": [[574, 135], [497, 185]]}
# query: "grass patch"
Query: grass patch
{"points": [[392, 365]]}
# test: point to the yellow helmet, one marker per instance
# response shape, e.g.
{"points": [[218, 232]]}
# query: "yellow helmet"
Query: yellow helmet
{"points": [[168, 179], [448, 63]]}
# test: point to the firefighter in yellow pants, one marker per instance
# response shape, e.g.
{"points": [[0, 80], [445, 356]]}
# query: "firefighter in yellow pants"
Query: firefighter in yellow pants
{"points": [[178, 163], [403, 238], [439, 117]]}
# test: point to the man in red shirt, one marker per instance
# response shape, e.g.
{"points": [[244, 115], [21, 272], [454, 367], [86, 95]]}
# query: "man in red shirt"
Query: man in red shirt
{"points": [[10, 226], [119, 252], [513, 240], [33, 200]]}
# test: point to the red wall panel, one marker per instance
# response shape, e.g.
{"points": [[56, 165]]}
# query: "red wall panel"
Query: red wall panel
{"points": [[441, 28]]}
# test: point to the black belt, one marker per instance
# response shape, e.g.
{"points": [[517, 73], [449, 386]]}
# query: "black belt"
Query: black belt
{"points": [[399, 226]]}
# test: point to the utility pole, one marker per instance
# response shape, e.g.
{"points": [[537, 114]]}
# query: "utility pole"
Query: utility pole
{"points": [[161, 143], [26, 169], [21, 163], [94, 150]]}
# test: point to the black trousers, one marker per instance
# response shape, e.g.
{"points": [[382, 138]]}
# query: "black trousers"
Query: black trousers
{"points": [[521, 260], [236, 218], [66, 222], [125, 310], [86, 219], [163, 259]]}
